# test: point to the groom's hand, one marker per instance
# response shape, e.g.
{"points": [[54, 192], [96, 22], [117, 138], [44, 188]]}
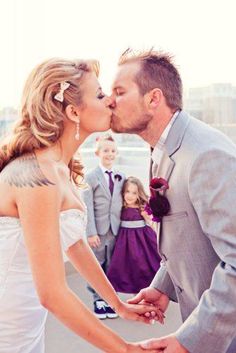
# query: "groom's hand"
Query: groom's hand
{"points": [[153, 296], [136, 348], [137, 312], [168, 344]]}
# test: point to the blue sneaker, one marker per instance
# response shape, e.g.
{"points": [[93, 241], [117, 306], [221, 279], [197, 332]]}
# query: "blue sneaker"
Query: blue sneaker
{"points": [[100, 309], [111, 314]]}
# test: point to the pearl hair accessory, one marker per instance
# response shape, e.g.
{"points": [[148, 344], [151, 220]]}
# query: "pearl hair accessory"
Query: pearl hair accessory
{"points": [[77, 131], [60, 95]]}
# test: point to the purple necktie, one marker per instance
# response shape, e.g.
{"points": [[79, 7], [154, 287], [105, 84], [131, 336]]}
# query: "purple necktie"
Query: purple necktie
{"points": [[111, 183]]}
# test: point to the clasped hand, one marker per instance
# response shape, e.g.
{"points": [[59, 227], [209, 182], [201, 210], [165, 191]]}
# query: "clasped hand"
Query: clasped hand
{"points": [[168, 344], [143, 312], [148, 305]]}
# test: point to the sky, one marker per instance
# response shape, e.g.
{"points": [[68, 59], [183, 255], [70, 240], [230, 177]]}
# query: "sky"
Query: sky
{"points": [[199, 33]]}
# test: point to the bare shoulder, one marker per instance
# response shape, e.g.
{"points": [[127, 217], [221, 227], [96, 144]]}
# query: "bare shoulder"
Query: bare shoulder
{"points": [[25, 171], [32, 183]]}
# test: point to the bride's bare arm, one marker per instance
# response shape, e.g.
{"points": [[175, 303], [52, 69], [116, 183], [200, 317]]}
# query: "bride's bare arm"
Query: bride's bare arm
{"points": [[38, 208]]}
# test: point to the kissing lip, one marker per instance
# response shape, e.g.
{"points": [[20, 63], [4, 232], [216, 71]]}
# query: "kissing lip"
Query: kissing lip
{"points": [[113, 116]]}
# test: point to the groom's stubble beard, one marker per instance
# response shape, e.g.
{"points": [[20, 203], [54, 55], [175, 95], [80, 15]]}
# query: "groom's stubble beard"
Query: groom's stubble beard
{"points": [[137, 127]]}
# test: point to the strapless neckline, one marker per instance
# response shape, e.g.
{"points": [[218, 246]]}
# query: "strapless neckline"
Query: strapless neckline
{"points": [[72, 211]]}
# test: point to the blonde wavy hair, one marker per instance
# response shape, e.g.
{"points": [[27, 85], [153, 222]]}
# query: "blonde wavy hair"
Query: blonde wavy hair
{"points": [[41, 117]]}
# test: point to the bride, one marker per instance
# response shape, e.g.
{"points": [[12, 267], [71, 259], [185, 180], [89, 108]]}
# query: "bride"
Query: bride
{"points": [[41, 212]]}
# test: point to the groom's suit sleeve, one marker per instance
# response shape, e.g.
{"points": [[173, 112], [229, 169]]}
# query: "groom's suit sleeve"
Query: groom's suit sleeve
{"points": [[163, 283], [212, 190], [88, 199]]}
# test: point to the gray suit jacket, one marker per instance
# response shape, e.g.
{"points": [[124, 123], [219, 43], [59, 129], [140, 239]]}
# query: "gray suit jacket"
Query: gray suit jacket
{"points": [[197, 239], [103, 209]]}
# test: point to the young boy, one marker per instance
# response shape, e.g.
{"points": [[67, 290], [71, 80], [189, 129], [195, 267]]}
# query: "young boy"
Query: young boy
{"points": [[104, 202]]}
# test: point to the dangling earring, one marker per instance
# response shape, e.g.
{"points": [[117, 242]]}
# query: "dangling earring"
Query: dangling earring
{"points": [[77, 131]]}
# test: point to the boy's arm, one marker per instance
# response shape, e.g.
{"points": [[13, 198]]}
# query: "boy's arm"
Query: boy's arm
{"points": [[91, 229]]}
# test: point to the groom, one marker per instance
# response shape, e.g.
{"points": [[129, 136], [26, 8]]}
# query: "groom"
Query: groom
{"points": [[197, 239]]}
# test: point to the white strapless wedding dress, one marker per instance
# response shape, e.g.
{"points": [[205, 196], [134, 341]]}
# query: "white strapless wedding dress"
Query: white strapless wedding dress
{"points": [[22, 317]]}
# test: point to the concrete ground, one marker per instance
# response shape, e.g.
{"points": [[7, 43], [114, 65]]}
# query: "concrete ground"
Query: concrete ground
{"points": [[59, 339]]}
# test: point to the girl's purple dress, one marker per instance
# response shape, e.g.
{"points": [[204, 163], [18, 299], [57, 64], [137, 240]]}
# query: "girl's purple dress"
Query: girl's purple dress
{"points": [[135, 259]]}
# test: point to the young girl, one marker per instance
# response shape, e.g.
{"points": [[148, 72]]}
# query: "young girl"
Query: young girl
{"points": [[135, 260]]}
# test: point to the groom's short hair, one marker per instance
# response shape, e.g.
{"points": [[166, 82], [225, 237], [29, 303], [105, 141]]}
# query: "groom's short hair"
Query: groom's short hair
{"points": [[156, 71]]}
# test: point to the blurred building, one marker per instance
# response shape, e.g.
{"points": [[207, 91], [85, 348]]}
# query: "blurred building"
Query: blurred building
{"points": [[8, 116], [215, 105]]}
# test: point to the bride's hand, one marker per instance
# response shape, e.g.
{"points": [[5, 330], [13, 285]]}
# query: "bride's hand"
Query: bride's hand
{"points": [[137, 312], [136, 348]]}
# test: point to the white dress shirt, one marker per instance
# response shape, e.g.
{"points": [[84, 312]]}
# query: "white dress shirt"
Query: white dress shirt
{"points": [[105, 174]]}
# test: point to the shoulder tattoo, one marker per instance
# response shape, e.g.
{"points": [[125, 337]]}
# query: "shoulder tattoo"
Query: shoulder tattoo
{"points": [[24, 171]]}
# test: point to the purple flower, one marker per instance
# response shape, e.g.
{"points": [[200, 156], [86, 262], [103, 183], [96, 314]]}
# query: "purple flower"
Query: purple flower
{"points": [[157, 185], [118, 177], [158, 204], [148, 209]]}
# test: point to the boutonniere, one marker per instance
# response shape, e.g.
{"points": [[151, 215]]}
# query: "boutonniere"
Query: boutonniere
{"points": [[158, 204], [118, 177]]}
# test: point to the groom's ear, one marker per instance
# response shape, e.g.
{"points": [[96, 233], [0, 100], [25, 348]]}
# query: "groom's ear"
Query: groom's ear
{"points": [[153, 98]]}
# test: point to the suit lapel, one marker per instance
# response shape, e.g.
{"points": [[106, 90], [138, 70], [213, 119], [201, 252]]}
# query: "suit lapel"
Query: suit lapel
{"points": [[172, 144], [103, 182], [166, 166], [167, 163], [177, 132]]}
